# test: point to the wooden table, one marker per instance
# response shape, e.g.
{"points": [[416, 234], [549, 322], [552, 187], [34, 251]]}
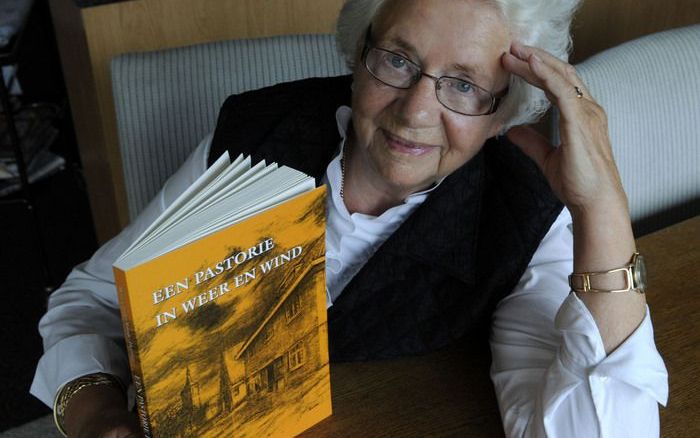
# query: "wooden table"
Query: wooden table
{"points": [[673, 258], [449, 393]]}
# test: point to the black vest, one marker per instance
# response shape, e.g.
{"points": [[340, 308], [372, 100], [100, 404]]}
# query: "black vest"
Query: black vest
{"points": [[439, 277]]}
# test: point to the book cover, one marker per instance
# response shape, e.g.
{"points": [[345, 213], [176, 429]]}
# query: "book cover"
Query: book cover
{"points": [[227, 335]]}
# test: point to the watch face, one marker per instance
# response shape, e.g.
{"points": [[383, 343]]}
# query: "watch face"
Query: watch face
{"points": [[640, 273]]}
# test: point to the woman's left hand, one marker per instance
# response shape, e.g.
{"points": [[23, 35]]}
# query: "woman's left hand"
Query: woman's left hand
{"points": [[581, 171]]}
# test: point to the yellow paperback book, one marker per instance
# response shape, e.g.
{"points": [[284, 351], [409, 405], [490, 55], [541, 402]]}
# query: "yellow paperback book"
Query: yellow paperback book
{"points": [[224, 307]]}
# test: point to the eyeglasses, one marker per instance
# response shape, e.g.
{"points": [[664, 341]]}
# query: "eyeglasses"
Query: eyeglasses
{"points": [[458, 95]]}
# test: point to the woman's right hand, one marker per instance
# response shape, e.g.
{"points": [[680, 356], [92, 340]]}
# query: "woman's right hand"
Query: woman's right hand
{"points": [[100, 412]]}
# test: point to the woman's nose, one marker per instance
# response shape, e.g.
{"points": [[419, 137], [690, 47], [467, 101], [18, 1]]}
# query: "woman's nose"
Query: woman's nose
{"points": [[418, 106]]}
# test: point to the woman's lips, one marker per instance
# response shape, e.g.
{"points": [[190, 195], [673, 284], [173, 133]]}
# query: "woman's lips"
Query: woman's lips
{"points": [[407, 147]]}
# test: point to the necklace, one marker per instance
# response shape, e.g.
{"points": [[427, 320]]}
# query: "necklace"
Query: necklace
{"points": [[343, 159]]}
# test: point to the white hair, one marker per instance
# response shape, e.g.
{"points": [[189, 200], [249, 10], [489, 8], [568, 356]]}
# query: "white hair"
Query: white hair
{"points": [[539, 23]]}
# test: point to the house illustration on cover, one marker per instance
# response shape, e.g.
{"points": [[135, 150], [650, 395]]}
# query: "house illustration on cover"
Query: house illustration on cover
{"points": [[284, 357]]}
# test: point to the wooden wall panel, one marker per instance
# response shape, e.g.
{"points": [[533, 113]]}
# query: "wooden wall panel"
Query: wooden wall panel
{"points": [[601, 24], [144, 25]]}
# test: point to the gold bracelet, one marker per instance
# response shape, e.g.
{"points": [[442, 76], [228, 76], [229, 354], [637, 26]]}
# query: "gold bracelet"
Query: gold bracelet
{"points": [[73, 387]]}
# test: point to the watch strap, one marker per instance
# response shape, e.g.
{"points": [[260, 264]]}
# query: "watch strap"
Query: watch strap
{"points": [[625, 276], [585, 281]]}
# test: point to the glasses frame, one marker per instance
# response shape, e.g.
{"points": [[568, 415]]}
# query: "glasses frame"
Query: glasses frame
{"points": [[495, 100]]}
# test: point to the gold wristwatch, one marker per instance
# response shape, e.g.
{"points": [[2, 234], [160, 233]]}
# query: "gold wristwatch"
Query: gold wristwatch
{"points": [[634, 275]]}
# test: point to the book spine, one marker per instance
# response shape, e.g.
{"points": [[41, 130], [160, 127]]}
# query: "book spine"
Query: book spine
{"points": [[133, 351]]}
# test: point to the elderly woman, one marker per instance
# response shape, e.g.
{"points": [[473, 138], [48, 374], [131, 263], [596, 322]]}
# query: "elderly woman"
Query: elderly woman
{"points": [[437, 225]]}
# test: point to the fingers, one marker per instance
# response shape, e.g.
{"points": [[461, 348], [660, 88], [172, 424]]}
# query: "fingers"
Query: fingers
{"points": [[521, 68], [539, 68], [564, 69], [524, 52]]}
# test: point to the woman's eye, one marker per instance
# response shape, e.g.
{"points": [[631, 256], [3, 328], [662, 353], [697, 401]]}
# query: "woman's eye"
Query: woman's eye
{"points": [[464, 87], [397, 61]]}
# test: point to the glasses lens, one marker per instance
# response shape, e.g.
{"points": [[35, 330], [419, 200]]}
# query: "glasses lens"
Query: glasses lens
{"points": [[457, 95], [391, 68], [464, 97]]}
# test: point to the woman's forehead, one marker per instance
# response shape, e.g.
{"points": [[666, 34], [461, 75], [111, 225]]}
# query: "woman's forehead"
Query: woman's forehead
{"points": [[465, 18], [464, 35]]}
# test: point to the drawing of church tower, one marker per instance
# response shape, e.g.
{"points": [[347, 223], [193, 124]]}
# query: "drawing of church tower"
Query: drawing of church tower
{"points": [[186, 398], [225, 399]]}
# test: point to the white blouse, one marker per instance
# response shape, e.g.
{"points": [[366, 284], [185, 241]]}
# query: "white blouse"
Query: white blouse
{"points": [[550, 371]]}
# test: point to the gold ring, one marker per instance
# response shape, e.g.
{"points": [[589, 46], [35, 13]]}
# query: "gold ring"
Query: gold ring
{"points": [[579, 93]]}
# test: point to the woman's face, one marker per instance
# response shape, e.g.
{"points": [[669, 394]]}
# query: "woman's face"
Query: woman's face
{"points": [[406, 139]]}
